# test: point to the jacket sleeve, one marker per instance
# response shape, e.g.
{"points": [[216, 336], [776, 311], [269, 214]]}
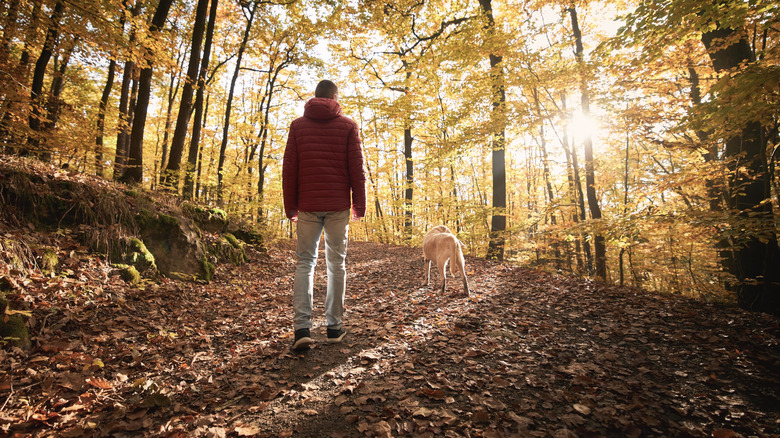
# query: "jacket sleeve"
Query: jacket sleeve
{"points": [[357, 175], [290, 175]]}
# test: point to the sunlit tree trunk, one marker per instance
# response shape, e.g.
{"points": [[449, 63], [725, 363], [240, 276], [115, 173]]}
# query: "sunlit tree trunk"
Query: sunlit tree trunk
{"points": [[126, 111], [582, 246], [192, 155], [547, 181], [229, 104], [599, 245], [173, 90], [198, 185]]}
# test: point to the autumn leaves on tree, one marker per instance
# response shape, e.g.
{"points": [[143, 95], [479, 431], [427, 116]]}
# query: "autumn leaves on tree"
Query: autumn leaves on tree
{"points": [[539, 132]]}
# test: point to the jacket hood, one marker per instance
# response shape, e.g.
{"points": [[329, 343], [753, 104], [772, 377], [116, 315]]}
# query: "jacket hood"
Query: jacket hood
{"points": [[321, 108]]}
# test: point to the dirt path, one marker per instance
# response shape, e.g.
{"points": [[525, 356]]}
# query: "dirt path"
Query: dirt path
{"points": [[528, 354]]}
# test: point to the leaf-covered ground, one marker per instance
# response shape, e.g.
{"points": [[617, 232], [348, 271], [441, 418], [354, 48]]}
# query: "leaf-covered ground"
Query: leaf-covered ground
{"points": [[527, 354]]}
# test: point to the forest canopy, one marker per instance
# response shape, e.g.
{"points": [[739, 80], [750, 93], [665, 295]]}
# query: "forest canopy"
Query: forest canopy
{"points": [[629, 141]]}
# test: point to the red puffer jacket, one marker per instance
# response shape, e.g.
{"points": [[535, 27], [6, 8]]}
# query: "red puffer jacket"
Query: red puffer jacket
{"points": [[323, 162]]}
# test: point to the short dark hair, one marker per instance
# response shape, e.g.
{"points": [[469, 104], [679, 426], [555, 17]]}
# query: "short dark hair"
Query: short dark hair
{"points": [[326, 88]]}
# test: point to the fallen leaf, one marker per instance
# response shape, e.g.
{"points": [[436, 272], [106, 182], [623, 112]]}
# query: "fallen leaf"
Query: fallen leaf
{"points": [[582, 409], [99, 382], [247, 431]]}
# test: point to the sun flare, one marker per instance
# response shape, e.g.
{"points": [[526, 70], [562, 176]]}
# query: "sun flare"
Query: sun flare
{"points": [[582, 126]]}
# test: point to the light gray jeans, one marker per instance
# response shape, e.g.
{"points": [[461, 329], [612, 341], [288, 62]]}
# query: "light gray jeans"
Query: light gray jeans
{"points": [[310, 228]]}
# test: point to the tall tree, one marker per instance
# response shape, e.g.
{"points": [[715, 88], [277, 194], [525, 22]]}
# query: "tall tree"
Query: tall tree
{"points": [[101, 121], [133, 173], [53, 106], [229, 104], [756, 261], [498, 140], [733, 119], [599, 245], [36, 90], [127, 93], [171, 173], [192, 155]]}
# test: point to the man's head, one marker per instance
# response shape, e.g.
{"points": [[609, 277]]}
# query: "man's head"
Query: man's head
{"points": [[326, 89]]}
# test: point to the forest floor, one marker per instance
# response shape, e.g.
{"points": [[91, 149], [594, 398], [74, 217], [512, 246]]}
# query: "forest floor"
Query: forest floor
{"points": [[527, 354]]}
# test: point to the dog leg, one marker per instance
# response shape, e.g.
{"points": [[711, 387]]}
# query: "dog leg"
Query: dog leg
{"points": [[428, 283], [443, 273]]}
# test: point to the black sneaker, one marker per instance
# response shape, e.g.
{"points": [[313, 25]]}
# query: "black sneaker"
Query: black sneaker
{"points": [[302, 339], [336, 335]]}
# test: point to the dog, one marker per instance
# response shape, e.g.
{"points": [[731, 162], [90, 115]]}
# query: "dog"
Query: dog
{"points": [[441, 246]]}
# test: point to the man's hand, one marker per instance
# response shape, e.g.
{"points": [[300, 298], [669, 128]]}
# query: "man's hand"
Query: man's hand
{"points": [[355, 216]]}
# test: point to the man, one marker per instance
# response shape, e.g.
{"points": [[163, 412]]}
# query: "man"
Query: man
{"points": [[323, 166]]}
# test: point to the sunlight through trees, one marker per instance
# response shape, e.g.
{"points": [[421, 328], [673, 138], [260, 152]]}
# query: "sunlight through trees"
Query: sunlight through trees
{"points": [[630, 141]]}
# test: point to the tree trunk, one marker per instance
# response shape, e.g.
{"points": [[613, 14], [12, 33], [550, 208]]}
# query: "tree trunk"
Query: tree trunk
{"points": [[125, 120], [263, 134], [577, 197], [590, 179], [498, 122], [625, 202], [135, 160], [36, 100], [9, 27], [546, 177], [229, 104], [171, 173], [32, 32], [173, 90], [101, 121], [408, 183], [54, 102], [756, 262], [127, 95], [192, 155]]}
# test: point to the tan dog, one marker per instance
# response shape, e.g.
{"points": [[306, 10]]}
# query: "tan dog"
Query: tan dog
{"points": [[441, 246]]}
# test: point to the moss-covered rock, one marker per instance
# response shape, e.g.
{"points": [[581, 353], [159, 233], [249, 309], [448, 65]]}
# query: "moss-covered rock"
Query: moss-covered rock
{"points": [[212, 220], [208, 268], [250, 236], [14, 332], [175, 243], [13, 329], [231, 239], [130, 275], [237, 254], [227, 248], [139, 256], [49, 261]]}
